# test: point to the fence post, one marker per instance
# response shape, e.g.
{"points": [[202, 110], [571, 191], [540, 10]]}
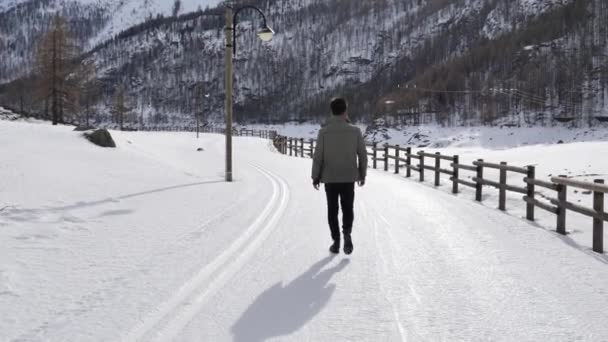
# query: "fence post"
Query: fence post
{"points": [[531, 193], [502, 192], [385, 157], [437, 167], [478, 185], [312, 148], [290, 147], [397, 159], [284, 142], [375, 154], [421, 166], [562, 197], [598, 224], [408, 162], [302, 146], [455, 174]]}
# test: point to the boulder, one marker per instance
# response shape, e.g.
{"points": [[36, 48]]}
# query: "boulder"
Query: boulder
{"points": [[101, 137]]}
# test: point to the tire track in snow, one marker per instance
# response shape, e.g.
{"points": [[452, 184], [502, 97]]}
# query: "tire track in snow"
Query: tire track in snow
{"points": [[119, 280], [173, 315], [371, 216]]}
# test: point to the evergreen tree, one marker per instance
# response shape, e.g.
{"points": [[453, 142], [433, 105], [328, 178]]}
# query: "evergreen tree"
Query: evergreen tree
{"points": [[177, 5]]}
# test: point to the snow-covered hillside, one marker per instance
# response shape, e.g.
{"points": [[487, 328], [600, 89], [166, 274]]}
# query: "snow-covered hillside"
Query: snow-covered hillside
{"points": [[8, 4], [91, 22], [500, 20], [146, 242], [431, 57], [433, 136], [125, 14]]}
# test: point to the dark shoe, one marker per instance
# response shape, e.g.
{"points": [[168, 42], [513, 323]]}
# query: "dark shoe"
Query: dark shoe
{"points": [[348, 245], [335, 247]]}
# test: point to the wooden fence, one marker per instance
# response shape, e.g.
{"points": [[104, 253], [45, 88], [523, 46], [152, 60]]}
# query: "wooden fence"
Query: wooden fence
{"points": [[264, 134], [436, 164]]}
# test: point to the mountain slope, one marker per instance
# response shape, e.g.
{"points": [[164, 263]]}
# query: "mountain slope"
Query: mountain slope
{"points": [[91, 22], [456, 62]]}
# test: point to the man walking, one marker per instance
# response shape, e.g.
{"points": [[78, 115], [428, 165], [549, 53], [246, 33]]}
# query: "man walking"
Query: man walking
{"points": [[339, 161]]}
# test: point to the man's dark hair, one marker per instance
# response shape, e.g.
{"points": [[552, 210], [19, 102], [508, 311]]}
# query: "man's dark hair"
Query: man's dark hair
{"points": [[338, 106]]}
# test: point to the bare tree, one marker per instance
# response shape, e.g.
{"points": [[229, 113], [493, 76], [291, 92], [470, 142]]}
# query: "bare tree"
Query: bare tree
{"points": [[54, 65]]}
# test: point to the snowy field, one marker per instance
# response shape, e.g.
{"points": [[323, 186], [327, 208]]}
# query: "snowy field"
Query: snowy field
{"points": [[147, 243], [433, 136]]}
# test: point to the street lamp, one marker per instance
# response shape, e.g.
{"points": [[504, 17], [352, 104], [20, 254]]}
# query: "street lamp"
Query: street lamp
{"points": [[265, 34]]}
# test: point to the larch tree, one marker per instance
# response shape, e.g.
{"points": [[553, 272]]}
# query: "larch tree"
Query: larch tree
{"points": [[54, 65]]}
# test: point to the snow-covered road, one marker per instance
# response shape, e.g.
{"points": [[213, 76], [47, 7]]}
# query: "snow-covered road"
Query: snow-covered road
{"points": [[146, 243]]}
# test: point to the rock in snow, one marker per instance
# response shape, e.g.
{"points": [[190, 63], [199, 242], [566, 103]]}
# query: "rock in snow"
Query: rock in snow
{"points": [[101, 137]]}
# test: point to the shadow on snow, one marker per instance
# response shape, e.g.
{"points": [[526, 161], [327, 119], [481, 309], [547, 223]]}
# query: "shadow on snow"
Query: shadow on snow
{"points": [[284, 309], [25, 215]]}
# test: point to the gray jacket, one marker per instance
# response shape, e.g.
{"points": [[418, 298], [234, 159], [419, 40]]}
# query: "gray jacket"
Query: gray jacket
{"points": [[339, 146]]}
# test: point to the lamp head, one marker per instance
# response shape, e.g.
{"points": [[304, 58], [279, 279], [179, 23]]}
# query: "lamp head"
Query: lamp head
{"points": [[266, 34]]}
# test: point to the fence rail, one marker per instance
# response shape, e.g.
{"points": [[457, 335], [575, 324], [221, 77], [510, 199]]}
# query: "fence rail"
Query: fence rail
{"points": [[403, 157], [265, 134]]}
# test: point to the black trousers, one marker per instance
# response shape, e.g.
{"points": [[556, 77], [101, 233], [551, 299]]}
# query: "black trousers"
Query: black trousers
{"points": [[340, 194]]}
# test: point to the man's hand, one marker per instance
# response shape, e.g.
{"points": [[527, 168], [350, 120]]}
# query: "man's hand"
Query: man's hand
{"points": [[316, 184], [362, 183]]}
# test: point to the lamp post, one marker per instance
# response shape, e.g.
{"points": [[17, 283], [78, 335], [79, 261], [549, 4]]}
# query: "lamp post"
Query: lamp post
{"points": [[265, 34]]}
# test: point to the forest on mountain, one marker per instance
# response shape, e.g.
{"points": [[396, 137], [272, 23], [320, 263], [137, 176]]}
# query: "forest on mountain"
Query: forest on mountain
{"points": [[462, 62]]}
